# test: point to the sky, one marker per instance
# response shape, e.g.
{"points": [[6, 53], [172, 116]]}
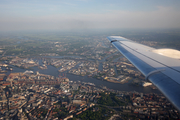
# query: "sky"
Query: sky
{"points": [[88, 14]]}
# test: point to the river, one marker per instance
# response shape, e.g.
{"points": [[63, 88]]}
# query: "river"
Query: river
{"points": [[115, 86]]}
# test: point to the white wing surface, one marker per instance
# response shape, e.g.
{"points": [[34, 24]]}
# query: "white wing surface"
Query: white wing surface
{"points": [[160, 66]]}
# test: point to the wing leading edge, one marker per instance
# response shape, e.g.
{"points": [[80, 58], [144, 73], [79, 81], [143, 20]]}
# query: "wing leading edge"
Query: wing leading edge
{"points": [[162, 71]]}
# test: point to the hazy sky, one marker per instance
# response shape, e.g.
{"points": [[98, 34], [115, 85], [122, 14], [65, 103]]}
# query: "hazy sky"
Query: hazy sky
{"points": [[88, 14]]}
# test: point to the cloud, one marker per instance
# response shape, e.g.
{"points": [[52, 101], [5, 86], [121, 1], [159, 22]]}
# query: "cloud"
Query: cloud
{"points": [[163, 17]]}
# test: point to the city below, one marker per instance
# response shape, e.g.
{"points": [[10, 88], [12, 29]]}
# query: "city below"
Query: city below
{"points": [[84, 79]]}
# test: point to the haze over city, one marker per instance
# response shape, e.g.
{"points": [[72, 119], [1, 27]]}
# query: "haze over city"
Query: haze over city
{"points": [[77, 59], [88, 14]]}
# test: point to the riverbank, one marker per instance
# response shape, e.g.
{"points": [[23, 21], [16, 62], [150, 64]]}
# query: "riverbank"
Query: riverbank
{"points": [[51, 70]]}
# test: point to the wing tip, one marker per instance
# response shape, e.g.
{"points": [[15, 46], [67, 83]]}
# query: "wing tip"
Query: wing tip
{"points": [[116, 38]]}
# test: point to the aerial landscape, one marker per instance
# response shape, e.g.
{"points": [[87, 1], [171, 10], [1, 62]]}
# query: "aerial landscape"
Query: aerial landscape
{"points": [[58, 63]]}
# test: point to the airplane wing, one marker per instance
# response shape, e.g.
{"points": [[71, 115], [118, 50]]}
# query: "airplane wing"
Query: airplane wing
{"points": [[159, 66]]}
